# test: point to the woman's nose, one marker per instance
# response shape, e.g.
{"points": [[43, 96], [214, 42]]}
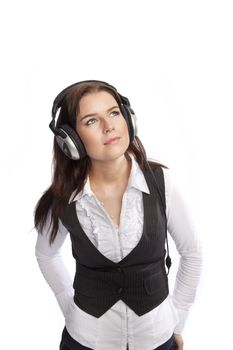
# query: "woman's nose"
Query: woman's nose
{"points": [[108, 127]]}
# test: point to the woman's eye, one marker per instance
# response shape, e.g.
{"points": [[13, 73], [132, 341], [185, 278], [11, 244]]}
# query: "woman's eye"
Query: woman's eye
{"points": [[114, 113], [91, 121]]}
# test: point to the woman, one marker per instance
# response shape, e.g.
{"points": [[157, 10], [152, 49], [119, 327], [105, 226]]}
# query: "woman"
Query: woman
{"points": [[117, 208]]}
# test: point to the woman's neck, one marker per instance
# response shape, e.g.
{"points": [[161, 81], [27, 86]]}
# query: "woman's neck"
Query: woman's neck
{"points": [[110, 172]]}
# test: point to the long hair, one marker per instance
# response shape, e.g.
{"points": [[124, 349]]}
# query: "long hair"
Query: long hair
{"points": [[69, 175]]}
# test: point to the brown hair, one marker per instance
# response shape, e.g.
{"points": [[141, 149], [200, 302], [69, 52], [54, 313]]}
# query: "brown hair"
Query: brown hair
{"points": [[70, 175]]}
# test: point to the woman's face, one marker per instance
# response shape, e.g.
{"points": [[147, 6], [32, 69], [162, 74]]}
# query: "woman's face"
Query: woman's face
{"points": [[101, 127]]}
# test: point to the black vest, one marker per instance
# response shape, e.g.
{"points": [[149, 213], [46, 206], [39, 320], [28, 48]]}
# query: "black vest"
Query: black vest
{"points": [[140, 278]]}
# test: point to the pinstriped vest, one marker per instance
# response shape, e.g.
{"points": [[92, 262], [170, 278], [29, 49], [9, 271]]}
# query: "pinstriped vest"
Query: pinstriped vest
{"points": [[140, 278]]}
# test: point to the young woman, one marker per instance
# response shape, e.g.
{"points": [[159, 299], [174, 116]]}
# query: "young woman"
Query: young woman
{"points": [[117, 208]]}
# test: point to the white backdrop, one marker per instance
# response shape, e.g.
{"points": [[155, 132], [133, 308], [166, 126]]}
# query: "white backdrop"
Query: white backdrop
{"points": [[173, 60]]}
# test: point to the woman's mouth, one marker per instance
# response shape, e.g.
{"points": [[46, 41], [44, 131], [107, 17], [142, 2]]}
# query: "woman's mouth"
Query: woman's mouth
{"points": [[112, 140]]}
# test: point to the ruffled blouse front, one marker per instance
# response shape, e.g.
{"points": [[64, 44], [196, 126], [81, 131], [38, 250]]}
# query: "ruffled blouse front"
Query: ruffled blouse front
{"points": [[115, 242]]}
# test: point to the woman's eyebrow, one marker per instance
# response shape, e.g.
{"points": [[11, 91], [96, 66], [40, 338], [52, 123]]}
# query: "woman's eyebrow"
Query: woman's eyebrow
{"points": [[94, 114]]}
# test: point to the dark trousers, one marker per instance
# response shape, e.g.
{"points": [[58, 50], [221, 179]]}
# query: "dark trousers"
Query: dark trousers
{"points": [[68, 343]]}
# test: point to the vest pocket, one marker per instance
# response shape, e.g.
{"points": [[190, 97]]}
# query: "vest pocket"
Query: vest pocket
{"points": [[154, 283], [85, 287], [91, 287]]}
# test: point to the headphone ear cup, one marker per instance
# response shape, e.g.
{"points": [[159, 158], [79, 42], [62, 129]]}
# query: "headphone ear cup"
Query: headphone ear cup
{"points": [[131, 121], [71, 143]]}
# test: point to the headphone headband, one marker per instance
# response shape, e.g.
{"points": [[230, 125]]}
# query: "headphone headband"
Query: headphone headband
{"points": [[57, 103]]}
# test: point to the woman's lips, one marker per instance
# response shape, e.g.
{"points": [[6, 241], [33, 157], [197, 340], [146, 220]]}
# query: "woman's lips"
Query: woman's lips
{"points": [[112, 140]]}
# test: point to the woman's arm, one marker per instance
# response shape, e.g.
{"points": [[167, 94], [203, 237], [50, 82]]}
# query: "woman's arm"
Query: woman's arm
{"points": [[182, 229], [52, 266]]}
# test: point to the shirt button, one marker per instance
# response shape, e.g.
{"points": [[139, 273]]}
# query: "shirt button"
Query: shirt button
{"points": [[119, 291]]}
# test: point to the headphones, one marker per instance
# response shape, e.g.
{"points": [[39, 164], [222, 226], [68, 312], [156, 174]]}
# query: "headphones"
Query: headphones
{"points": [[68, 139]]}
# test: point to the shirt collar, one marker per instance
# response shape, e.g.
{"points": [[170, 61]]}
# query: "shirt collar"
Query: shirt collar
{"points": [[136, 180], [86, 191], [136, 177]]}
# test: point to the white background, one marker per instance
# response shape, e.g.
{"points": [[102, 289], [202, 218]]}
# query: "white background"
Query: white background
{"points": [[174, 61]]}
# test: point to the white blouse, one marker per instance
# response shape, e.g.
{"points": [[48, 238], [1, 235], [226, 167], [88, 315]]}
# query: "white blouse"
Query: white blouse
{"points": [[120, 325]]}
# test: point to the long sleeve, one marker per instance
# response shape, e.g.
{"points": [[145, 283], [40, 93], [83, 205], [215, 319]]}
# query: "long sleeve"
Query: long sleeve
{"points": [[52, 266], [183, 230]]}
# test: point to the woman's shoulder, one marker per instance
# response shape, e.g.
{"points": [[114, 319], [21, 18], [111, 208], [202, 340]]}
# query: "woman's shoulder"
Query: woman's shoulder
{"points": [[156, 164]]}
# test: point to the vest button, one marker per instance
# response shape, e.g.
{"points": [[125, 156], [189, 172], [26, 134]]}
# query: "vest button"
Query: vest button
{"points": [[119, 269], [119, 291]]}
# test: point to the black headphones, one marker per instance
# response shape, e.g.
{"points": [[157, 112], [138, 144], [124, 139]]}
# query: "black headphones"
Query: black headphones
{"points": [[68, 139]]}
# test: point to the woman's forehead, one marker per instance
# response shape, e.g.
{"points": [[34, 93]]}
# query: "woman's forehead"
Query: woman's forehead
{"points": [[96, 102]]}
